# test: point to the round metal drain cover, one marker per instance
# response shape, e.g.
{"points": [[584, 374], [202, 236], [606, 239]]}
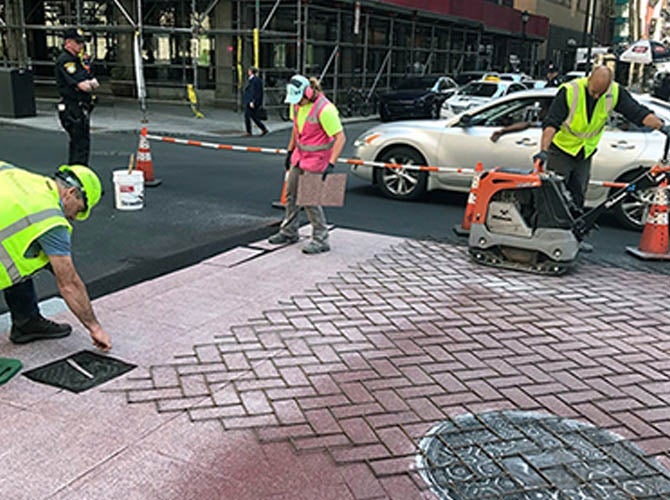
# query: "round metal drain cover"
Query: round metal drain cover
{"points": [[524, 455]]}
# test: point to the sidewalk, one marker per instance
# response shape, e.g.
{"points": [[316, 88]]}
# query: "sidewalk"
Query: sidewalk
{"points": [[263, 373], [162, 117]]}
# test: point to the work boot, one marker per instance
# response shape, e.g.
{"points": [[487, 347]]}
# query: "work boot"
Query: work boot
{"points": [[38, 328], [281, 238], [314, 247]]}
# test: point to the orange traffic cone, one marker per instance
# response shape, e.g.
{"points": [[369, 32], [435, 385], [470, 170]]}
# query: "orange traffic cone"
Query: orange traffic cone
{"points": [[464, 228], [282, 198], [144, 163], [654, 241]]}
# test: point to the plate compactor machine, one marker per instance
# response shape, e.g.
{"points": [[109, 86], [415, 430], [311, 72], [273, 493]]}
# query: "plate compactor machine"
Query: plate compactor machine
{"points": [[527, 221]]}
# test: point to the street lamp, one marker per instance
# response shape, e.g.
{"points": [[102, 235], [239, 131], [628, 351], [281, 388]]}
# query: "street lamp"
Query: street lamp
{"points": [[524, 50]]}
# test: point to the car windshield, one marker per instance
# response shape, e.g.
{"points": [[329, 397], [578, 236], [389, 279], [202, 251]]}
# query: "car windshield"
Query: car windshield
{"points": [[416, 83], [479, 89]]}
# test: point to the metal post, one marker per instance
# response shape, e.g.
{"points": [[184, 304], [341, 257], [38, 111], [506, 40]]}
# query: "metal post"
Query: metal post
{"points": [[139, 65], [413, 58], [336, 74], [365, 49], [305, 23], [194, 44], [298, 41], [390, 50], [23, 51], [329, 62], [591, 15], [270, 15]]}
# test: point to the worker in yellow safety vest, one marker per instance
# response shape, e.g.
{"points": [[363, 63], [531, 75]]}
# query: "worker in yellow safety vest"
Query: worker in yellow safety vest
{"points": [[576, 121], [35, 229]]}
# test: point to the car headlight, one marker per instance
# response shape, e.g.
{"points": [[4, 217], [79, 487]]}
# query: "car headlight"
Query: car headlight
{"points": [[364, 139]]}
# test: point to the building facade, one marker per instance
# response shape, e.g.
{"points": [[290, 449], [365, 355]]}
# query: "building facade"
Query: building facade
{"points": [[366, 44]]}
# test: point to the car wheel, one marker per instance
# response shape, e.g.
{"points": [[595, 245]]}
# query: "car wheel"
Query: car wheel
{"points": [[633, 210], [404, 183]]}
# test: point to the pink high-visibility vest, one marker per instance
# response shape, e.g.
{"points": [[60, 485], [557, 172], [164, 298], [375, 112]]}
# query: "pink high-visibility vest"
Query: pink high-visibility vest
{"points": [[313, 145]]}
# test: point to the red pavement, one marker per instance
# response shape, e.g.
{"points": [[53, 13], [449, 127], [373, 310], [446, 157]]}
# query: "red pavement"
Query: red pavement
{"points": [[326, 390]]}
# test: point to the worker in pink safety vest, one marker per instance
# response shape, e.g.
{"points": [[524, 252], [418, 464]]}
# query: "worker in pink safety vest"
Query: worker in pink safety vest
{"points": [[316, 142]]}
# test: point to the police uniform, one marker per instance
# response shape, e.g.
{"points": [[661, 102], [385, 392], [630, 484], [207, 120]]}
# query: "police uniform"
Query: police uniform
{"points": [[552, 82], [75, 105]]}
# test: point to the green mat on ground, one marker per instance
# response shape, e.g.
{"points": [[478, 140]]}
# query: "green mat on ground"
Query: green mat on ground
{"points": [[8, 368], [79, 372]]}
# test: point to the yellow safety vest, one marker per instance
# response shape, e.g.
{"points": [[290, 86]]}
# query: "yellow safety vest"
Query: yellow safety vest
{"points": [[30, 208], [576, 131]]}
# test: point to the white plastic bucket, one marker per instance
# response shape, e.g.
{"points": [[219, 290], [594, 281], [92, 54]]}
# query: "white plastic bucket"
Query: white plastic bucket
{"points": [[128, 189]]}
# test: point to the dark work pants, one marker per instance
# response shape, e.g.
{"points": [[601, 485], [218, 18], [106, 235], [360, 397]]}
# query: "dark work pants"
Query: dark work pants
{"points": [[22, 301], [575, 170], [76, 122], [251, 114]]}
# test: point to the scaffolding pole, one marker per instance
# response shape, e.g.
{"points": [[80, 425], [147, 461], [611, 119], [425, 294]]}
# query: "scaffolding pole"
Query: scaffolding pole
{"points": [[139, 65], [270, 15], [333, 54]]}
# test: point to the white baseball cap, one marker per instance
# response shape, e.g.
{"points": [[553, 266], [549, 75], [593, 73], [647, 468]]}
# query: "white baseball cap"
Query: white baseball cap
{"points": [[295, 89]]}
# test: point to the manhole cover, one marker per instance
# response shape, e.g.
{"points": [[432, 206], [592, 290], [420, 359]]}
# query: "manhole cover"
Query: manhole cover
{"points": [[79, 372], [525, 455]]}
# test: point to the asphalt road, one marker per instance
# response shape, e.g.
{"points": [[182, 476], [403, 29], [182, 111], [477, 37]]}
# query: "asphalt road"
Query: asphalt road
{"points": [[211, 201]]}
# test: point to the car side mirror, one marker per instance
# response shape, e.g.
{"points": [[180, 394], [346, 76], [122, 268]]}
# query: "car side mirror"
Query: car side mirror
{"points": [[465, 121]]}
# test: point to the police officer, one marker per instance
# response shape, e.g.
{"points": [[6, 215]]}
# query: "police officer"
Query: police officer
{"points": [[76, 85], [552, 76]]}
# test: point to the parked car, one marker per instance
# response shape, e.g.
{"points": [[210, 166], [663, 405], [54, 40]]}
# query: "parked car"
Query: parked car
{"points": [[469, 76], [625, 150], [515, 77], [571, 75], [661, 86], [416, 97], [476, 93]]}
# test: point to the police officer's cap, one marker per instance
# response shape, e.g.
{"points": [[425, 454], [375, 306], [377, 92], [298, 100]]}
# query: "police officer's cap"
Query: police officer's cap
{"points": [[552, 68], [75, 34]]}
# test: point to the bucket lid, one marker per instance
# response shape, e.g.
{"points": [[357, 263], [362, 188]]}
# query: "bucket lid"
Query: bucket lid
{"points": [[8, 368]]}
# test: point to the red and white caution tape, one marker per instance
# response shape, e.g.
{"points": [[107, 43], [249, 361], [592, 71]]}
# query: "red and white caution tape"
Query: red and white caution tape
{"points": [[348, 161]]}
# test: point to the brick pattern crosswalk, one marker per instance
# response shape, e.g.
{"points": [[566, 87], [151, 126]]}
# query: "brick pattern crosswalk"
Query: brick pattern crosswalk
{"points": [[364, 364]]}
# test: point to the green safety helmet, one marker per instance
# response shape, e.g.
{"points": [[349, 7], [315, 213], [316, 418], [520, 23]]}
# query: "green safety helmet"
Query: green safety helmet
{"points": [[86, 181]]}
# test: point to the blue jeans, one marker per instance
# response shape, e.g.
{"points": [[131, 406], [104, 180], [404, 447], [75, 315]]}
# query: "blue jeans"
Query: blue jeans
{"points": [[22, 301]]}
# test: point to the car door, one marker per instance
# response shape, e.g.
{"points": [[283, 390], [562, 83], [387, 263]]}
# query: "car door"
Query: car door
{"points": [[619, 149], [464, 145]]}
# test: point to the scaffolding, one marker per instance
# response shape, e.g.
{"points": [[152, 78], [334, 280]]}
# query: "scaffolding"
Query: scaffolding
{"points": [[210, 43]]}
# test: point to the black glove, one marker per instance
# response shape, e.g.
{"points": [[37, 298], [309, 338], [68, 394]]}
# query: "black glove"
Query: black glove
{"points": [[541, 157], [287, 160], [665, 129], [328, 170]]}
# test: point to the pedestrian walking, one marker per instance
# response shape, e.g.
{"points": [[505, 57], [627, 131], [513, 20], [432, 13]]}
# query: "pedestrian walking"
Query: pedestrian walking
{"points": [[317, 139], [253, 101], [76, 86], [35, 230]]}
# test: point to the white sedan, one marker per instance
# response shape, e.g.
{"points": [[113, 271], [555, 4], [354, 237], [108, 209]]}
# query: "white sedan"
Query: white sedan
{"points": [[476, 93], [460, 142]]}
